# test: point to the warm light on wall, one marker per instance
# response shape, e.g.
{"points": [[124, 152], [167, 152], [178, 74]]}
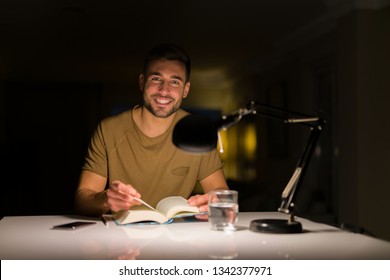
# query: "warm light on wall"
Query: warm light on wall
{"points": [[229, 153], [238, 145], [250, 142]]}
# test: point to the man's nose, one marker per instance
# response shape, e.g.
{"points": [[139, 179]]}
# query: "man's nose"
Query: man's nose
{"points": [[164, 87]]}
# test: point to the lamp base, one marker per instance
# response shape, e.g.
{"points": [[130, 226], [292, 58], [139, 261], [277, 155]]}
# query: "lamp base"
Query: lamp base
{"points": [[275, 226]]}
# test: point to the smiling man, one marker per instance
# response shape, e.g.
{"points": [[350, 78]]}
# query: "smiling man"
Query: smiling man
{"points": [[131, 155]]}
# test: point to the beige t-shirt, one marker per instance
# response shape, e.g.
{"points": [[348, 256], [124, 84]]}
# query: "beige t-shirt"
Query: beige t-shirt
{"points": [[154, 166]]}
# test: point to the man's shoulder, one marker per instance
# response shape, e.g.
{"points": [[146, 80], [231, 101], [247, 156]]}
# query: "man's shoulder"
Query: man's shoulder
{"points": [[117, 125], [182, 113], [118, 119]]}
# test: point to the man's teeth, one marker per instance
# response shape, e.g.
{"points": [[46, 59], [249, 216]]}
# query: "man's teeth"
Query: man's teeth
{"points": [[163, 101]]}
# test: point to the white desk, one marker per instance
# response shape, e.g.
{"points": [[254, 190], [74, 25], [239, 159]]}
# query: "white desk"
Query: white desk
{"points": [[31, 237]]}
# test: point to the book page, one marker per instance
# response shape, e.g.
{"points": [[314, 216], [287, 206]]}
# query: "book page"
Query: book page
{"points": [[140, 214], [170, 206]]}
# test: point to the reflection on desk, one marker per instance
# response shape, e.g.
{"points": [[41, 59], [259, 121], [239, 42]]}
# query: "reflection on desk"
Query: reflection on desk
{"points": [[32, 237]]}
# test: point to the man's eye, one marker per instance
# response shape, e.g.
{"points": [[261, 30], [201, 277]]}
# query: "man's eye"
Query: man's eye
{"points": [[175, 83]]}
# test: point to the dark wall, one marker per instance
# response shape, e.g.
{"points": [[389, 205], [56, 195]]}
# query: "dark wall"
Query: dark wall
{"points": [[47, 128]]}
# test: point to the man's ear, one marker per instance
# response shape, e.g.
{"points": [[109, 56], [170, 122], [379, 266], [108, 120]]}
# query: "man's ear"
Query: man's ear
{"points": [[141, 82], [186, 89]]}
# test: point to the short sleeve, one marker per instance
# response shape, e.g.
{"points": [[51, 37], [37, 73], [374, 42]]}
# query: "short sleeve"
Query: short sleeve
{"points": [[96, 157], [210, 163]]}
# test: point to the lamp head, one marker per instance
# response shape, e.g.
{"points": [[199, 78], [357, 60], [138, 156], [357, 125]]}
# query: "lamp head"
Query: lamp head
{"points": [[196, 134]]}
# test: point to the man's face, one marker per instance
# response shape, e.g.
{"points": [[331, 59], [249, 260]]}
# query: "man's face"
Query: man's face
{"points": [[164, 87]]}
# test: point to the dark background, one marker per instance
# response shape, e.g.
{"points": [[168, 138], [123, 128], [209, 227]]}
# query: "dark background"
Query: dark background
{"points": [[65, 65]]}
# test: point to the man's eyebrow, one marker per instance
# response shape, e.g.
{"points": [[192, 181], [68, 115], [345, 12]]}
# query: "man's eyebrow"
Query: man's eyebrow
{"points": [[176, 77], [155, 74]]}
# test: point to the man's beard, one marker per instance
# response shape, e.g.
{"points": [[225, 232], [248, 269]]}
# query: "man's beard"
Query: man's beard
{"points": [[160, 113]]}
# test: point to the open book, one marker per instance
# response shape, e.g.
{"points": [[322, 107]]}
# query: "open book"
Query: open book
{"points": [[167, 209]]}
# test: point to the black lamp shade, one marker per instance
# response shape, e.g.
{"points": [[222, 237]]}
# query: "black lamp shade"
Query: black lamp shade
{"points": [[196, 134]]}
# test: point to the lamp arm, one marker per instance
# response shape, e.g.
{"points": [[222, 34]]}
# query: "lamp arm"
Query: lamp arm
{"points": [[295, 182], [266, 111], [289, 117]]}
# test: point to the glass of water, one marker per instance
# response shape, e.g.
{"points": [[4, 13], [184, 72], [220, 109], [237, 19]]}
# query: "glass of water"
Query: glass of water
{"points": [[223, 209]]}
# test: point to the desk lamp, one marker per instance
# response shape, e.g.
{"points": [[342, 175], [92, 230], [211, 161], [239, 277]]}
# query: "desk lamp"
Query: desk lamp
{"points": [[199, 134]]}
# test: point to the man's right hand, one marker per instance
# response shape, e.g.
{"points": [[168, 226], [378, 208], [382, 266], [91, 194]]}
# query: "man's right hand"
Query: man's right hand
{"points": [[121, 196]]}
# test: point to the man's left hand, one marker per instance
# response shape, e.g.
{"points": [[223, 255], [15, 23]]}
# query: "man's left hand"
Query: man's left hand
{"points": [[201, 201]]}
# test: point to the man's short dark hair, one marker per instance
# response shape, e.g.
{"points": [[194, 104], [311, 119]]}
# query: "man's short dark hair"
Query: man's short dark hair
{"points": [[168, 52]]}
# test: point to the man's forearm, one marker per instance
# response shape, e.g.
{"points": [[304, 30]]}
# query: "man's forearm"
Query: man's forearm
{"points": [[91, 203]]}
